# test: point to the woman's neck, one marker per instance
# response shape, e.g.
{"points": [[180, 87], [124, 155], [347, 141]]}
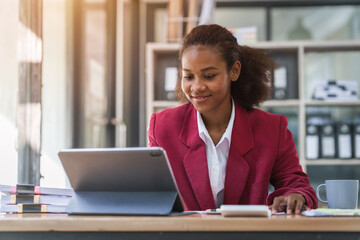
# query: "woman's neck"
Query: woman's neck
{"points": [[216, 123]]}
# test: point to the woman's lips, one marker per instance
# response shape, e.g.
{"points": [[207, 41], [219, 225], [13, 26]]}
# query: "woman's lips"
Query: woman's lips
{"points": [[201, 99]]}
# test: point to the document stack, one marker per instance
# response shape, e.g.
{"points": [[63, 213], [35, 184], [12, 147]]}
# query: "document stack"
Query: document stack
{"points": [[24, 198]]}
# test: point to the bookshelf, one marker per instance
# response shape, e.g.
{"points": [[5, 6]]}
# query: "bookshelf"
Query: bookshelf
{"points": [[162, 52]]}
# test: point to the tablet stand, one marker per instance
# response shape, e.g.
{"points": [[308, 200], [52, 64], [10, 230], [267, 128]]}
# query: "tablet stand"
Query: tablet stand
{"points": [[124, 203]]}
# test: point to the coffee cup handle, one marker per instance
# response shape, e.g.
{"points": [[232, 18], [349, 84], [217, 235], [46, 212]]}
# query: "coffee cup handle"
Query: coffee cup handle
{"points": [[318, 195]]}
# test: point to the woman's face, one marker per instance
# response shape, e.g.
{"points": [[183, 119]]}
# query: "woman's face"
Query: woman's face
{"points": [[205, 79]]}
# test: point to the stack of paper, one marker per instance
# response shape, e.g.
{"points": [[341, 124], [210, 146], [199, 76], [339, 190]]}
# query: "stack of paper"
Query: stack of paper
{"points": [[34, 199], [328, 212]]}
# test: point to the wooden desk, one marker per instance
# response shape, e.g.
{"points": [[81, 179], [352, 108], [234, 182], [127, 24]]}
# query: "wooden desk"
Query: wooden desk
{"points": [[62, 226]]}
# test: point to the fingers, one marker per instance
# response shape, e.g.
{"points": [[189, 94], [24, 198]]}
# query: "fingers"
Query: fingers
{"points": [[275, 206], [294, 204], [299, 207], [291, 203], [279, 204]]}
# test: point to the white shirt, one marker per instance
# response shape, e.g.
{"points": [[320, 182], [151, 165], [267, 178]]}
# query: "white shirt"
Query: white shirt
{"points": [[217, 156]]}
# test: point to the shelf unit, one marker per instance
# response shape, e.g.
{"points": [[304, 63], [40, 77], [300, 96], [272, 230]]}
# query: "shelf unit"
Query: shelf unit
{"points": [[156, 50]]}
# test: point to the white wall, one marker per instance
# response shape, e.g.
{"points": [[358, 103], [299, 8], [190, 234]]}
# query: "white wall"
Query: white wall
{"points": [[56, 93], [8, 90]]}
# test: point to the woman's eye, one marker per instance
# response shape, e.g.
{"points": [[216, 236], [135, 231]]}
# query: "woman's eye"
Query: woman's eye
{"points": [[187, 77], [209, 76]]}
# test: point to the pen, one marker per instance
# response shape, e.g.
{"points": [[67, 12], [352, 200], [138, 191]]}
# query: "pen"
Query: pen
{"points": [[213, 211]]}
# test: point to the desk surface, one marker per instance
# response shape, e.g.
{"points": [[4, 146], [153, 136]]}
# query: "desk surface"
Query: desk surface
{"points": [[189, 223]]}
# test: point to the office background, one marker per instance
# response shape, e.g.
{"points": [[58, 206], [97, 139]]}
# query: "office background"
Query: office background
{"points": [[95, 75]]}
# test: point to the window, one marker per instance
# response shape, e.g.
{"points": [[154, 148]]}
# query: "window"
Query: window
{"points": [[316, 23], [59, 84]]}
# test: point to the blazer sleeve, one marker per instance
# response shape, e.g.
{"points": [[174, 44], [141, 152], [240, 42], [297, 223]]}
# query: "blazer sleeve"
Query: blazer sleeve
{"points": [[151, 131], [287, 174]]}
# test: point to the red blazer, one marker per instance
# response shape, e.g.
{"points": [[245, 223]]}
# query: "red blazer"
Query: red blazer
{"points": [[262, 151]]}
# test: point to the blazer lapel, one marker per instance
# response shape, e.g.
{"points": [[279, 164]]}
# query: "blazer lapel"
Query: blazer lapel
{"points": [[195, 161], [237, 169]]}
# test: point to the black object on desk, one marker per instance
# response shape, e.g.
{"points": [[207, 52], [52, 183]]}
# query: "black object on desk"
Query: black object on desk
{"points": [[120, 181]]}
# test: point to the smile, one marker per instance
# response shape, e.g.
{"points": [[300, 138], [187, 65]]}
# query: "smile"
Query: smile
{"points": [[200, 99]]}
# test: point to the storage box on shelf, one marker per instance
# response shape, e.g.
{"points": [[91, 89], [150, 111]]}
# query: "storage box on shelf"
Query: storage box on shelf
{"points": [[159, 56]]}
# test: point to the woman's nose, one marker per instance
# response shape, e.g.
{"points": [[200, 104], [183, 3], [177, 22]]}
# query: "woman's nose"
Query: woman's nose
{"points": [[198, 86]]}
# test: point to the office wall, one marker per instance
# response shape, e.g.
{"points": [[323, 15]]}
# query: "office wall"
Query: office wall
{"points": [[56, 99], [9, 23]]}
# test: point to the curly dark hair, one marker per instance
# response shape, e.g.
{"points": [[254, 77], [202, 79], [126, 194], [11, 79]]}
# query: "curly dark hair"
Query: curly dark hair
{"points": [[254, 83]]}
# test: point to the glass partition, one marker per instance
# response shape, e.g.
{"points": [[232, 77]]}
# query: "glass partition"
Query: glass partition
{"points": [[339, 67], [240, 17], [315, 23]]}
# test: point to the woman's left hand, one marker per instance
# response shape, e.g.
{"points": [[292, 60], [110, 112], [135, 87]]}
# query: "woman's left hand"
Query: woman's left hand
{"points": [[291, 203]]}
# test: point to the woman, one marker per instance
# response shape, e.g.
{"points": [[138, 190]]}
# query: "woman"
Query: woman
{"points": [[221, 149]]}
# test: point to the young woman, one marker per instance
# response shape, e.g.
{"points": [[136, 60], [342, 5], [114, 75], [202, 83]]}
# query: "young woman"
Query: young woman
{"points": [[221, 149]]}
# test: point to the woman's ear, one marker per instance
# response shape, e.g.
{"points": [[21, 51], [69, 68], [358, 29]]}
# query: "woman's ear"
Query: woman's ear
{"points": [[235, 71]]}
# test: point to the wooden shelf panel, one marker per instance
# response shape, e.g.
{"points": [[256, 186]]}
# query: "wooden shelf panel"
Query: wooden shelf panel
{"points": [[310, 45], [281, 103], [163, 47], [165, 104], [294, 45], [331, 103], [332, 162], [270, 103], [353, 45], [154, 1]]}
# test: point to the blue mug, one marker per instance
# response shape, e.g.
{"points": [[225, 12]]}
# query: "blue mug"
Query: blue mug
{"points": [[340, 194]]}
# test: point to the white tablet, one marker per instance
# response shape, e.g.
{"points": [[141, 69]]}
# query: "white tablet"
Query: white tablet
{"points": [[125, 181], [136, 169]]}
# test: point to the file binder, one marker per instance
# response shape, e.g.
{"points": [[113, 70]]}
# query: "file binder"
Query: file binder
{"points": [[120, 181], [171, 76], [285, 77], [166, 77], [357, 140], [280, 83], [328, 141], [344, 140], [312, 141]]}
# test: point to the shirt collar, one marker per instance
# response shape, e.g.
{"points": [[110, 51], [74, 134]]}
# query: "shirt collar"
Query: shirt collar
{"points": [[203, 133]]}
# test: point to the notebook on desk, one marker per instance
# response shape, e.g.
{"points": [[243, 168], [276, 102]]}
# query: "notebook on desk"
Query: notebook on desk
{"points": [[127, 181]]}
